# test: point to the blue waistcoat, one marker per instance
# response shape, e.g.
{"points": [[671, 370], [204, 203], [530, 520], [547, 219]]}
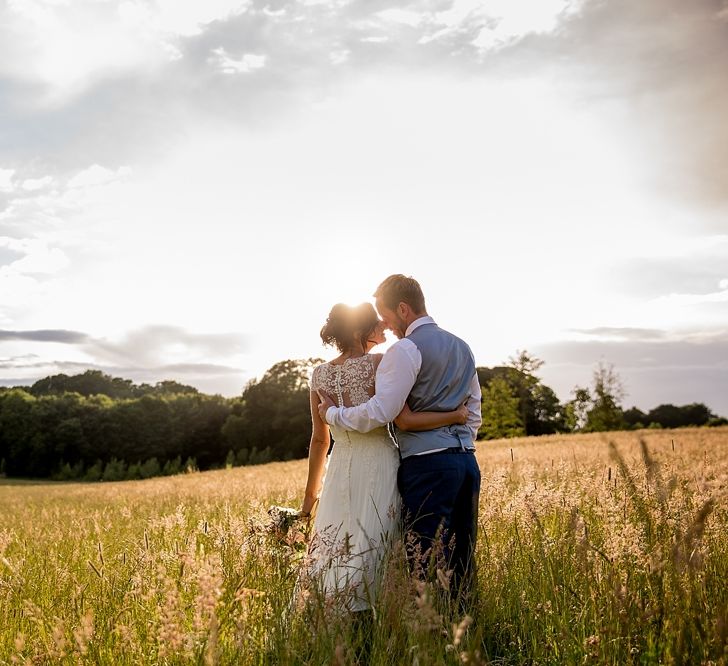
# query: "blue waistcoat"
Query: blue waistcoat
{"points": [[442, 385]]}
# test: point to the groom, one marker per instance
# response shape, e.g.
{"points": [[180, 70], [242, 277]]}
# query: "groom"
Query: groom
{"points": [[439, 477]]}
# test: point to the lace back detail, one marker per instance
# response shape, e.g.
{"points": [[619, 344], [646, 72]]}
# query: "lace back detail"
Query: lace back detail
{"points": [[349, 383]]}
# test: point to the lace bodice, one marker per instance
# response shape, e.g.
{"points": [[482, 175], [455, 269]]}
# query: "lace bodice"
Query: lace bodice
{"points": [[349, 383]]}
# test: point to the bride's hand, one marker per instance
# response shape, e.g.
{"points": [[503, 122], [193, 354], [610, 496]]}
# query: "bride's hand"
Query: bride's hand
{"points": [[462, 413], [324, 405]]}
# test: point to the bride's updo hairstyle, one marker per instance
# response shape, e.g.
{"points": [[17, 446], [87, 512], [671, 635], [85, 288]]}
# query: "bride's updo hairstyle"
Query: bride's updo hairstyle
{"points": [[345, 322]]}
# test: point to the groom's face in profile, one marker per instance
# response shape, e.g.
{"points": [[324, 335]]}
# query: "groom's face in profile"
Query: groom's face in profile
{"points": [[392, 320]]}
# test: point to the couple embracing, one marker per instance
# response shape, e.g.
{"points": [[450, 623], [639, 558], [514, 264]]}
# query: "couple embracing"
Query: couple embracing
{"points": [[404, 425]]}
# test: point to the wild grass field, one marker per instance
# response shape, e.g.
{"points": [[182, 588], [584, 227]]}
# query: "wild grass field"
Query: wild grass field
{"points": [[593, 549]]}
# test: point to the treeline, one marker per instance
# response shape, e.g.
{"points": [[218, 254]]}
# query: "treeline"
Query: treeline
{"points": [[517, 403], [96, 427], [93, 426]]}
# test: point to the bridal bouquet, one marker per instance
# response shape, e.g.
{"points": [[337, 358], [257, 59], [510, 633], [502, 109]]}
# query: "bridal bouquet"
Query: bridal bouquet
{"points": [[288, 527]]}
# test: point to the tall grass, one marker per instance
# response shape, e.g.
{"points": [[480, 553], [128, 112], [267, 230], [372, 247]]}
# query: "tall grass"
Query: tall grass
{"points": [[591, 550]]}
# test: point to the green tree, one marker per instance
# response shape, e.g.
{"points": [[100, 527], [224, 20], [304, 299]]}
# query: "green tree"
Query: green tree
{"points": [[115, 470], [671, 416], [170, 387], [577, 409], [635, 418], [539, 407], [172, 467], [91, 382], [275, 412], [500, 411], [607, 393], [94, 472], [16, 430], [150, 468]]}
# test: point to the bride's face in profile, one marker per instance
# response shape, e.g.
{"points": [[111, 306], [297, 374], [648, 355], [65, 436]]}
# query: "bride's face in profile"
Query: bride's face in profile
{"points": [[376, 337]]}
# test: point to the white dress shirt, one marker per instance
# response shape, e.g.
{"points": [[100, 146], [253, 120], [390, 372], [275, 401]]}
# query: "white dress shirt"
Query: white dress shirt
{"points": [[396, 375]]}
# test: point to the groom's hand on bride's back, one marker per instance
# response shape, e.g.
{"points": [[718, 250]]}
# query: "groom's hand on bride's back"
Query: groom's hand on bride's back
{"points": [[324, 405]]}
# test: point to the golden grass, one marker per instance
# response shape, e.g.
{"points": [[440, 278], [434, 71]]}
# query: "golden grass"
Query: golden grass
{"points": [[588, 552]]}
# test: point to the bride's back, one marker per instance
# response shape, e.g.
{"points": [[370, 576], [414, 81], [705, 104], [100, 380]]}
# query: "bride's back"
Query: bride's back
{"points": [[348, 383]]}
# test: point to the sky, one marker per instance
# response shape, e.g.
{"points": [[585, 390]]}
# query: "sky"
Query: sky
{"points": [[187, 188]]}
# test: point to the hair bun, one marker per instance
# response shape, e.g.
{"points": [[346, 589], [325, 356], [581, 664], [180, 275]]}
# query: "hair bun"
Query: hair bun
{"points": [[345, 323]]}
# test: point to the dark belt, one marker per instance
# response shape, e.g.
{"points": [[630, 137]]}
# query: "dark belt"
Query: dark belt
{"points": [[454, 449]]}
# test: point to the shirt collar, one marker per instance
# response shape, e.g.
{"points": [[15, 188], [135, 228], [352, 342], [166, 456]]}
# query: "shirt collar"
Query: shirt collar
{"points": [[417, 323]]}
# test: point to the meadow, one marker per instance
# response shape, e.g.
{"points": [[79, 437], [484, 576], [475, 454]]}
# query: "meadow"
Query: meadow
{"points": [[607, 548]]}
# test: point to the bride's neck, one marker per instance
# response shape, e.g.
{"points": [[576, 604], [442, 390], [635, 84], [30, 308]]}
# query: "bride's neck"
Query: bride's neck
{"points": [[353, 352]]}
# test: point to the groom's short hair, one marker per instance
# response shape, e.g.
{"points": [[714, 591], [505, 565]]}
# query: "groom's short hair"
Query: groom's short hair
{"points": [[398, 289]]}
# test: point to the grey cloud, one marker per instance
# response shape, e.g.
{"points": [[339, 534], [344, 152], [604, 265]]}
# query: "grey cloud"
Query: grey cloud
{"points": [[25, 363], [50, 335], [207, 377], [700, 273], [664, 59], [198, 369], [138, 351], [663, 62], [143, 346], [691, 369], [695, 350], [623, 333], [117, 114], [8, 256]]}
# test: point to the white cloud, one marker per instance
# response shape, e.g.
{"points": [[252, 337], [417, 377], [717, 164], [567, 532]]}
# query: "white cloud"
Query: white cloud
{"points": [[695, 299], [189, 17], [6, 179], [249, 62], [66, 46], [405, 16], [38, 257], [97, 175], [34, 184], [339, 57]]}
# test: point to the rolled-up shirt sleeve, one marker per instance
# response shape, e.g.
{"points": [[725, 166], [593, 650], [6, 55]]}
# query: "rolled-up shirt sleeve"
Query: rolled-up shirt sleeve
{"points": [[475, 418], [394, 380]]}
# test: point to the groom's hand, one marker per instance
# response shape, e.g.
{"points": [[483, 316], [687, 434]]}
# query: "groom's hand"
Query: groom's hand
{"points": [[324, 405]]}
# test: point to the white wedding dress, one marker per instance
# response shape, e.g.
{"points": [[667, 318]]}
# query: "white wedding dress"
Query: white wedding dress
{"points": [[359, 508]]}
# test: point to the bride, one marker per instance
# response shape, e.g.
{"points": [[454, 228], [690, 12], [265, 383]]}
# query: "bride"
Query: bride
{"points": [[357, 512]]}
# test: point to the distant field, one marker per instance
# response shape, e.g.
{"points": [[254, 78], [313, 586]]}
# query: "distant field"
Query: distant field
{"points": [[587, 553]]}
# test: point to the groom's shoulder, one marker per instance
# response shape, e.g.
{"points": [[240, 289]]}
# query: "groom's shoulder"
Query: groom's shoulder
{"points": [[445, 337], [401, 346]]}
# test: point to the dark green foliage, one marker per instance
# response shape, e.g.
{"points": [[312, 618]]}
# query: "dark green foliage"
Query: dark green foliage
{"points": [[93, 426], [90, 382], [635, 418], [95, 382], [94, 472], [150, 468], [672, 416], [274, 412], [172, 467], [115, 470], [51, 435]]}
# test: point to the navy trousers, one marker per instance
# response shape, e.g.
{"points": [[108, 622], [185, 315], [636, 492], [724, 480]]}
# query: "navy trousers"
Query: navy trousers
{"points": [[440, 493]]}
